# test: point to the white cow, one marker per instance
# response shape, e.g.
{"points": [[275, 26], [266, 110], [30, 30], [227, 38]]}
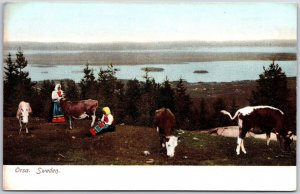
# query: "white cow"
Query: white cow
{"points": [[23, 114]]}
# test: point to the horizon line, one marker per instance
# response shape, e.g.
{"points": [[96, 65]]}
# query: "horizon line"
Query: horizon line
{"points": [[167, 41]]}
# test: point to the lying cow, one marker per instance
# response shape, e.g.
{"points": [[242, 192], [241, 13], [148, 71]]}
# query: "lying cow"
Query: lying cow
{"points": [[259, 120], [79, 109], [165, 123], [23, 114]]}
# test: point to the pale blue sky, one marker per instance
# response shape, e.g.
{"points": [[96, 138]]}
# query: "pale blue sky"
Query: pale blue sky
{"points": [[145, 22]]}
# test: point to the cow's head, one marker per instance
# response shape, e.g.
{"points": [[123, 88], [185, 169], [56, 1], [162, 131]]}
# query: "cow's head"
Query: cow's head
{"points": [[171, 144], [285, 140]]}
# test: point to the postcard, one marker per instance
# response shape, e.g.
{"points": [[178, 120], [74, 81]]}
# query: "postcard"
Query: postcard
{"points": [[149, 95]]}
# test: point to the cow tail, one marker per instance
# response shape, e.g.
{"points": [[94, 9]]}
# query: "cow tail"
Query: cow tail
{"points": [[228, 114]]}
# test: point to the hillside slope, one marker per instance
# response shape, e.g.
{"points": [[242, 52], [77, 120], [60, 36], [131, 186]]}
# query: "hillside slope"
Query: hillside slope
{"points": [[55, 144]]}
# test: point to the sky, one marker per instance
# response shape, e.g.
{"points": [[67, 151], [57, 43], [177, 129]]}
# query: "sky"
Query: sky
{"points": [[96, 22]]}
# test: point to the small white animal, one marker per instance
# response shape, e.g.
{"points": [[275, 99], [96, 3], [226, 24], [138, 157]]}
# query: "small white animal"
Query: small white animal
{"points": [[23, 114]]}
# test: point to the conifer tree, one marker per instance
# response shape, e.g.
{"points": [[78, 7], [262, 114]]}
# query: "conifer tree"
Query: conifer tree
{"points": [[119, 109], [166, 96], [10, 83], [271, 88], [132, 101], [107, 85], [17, 83], [71, 90], [182, 105], [24, 85], [148, 99], [46, 101], [88, 83]]}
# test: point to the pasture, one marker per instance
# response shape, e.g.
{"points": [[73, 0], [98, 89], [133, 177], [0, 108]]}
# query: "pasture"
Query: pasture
{"points": [[54, 144]]}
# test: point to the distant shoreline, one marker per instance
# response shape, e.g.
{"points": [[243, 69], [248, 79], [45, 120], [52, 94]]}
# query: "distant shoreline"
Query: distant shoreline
{"points": [[149, 58], [141, 45], [142, 53]]}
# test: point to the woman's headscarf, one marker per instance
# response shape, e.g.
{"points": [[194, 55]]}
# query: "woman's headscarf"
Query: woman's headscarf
{"points": [[57, 86], [106, 110]]}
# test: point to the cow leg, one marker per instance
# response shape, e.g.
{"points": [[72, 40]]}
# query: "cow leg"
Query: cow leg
{"points": [[243, 148], [238, 147], [268, 138], [20, 122], [93, 118], [70, 121], [162, 144], [240, 142], [26, 127]]}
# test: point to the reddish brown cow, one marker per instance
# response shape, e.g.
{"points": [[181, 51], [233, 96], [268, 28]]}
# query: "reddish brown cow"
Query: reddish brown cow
{"points": [[165, 123], [79, 109]]}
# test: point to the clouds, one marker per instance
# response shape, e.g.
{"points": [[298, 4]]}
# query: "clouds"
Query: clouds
{"points": [[111, 22]]}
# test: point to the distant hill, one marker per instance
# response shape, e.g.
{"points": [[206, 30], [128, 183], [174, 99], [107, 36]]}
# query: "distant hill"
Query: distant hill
{"points": [[137, 45]]}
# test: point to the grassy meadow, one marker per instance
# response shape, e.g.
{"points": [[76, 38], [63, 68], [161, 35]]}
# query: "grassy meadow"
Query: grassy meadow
{"points": [[55, 144]]}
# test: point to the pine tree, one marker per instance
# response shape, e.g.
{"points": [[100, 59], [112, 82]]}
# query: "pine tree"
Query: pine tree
{"points": [[46, 100], [10, 83], [119, 110], [88, 84], [166, 96], [17, 83], [71, 91], [107, 85], [271, 88], [182, 105], [132, 101], [148, 99], [24, 85]]}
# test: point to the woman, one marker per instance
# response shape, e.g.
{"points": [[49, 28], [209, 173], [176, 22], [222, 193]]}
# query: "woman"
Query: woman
{"points": [[58, 115], [105, 122]]}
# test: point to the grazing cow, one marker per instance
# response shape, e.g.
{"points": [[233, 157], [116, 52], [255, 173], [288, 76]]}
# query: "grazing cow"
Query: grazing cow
{"points": [[22, 114], [79, 109], [259, 120], [165, 123]]}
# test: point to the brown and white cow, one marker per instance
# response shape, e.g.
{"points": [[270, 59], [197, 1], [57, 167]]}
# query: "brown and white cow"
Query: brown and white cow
{"points": [[79, 109], [23, 115], [259, 120], [165, 123]]}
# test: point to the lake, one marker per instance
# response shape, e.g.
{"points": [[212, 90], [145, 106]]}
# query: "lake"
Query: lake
{"points": [[218, 71]]}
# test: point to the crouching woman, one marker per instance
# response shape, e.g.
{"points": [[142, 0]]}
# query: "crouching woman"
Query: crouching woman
{"points": [[105, 124]]}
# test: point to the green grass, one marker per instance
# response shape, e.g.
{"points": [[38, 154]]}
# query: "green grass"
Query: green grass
{"points": [[125, 146], [218, 150]]}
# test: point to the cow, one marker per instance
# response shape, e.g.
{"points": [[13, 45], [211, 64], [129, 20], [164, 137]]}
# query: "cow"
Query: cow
{"points": [[165, 123], [79, 109], [22, 115], [259, 120]]}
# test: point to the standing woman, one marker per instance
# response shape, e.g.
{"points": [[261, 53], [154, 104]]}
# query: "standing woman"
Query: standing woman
{"points": [[58, 115]]}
